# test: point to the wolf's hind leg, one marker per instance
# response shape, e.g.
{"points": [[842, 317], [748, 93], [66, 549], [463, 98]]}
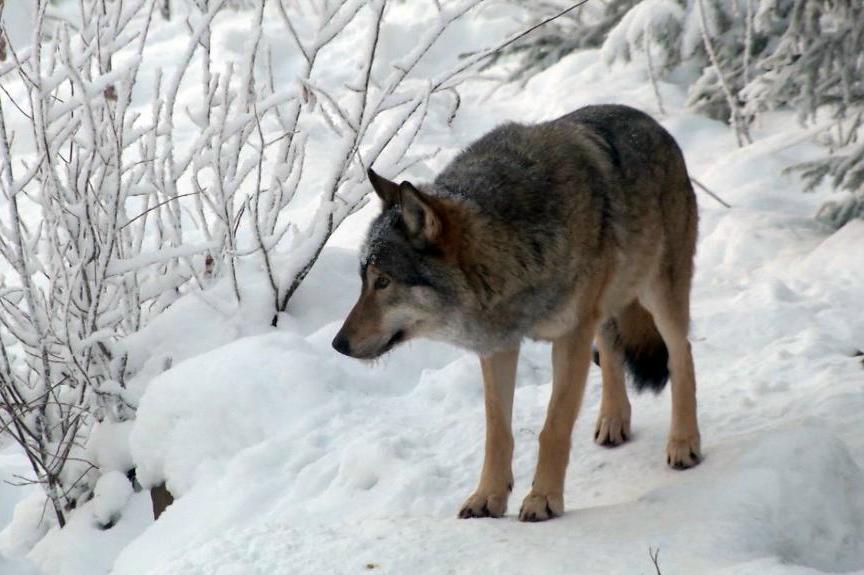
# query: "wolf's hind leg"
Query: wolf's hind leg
{"points": [[571, 358], [496, 478], [613, 421], [671, 313]]}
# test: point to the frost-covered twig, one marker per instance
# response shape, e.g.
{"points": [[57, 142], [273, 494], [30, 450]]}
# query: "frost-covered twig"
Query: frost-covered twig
{"points": [[705, 189], [363, 106], [742, 132], [654, 554], [652, 73], [748, 40], [66, 227]]}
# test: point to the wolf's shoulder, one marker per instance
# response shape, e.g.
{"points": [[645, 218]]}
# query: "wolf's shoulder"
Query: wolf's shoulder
{"points": [[507, 141], [508, 157]]}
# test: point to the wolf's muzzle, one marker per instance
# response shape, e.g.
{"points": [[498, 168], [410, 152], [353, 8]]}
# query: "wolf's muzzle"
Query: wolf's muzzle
{"points": [[341, 344]]}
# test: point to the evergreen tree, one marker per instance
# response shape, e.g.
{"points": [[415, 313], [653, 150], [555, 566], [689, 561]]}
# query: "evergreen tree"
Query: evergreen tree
{"points": [[754, 56]]}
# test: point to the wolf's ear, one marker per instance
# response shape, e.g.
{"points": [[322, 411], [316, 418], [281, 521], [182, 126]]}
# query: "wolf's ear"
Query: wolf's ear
{"points": [[388, 191], [421, 221]]}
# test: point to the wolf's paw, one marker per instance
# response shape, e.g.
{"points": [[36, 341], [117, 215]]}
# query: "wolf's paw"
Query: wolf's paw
{"points": [[540, 507], [683, 453], [482, 504], [611, 430]]}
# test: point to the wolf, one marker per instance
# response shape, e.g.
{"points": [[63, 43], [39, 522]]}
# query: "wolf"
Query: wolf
{"points": [[580, 231]]}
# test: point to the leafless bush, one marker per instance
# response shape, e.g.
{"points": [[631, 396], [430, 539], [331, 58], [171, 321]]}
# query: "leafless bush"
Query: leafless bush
{"points": [[654, 554], [69, 178], [117, 204]]}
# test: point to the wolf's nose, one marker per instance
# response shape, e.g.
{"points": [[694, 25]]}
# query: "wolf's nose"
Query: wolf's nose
{"points": [[341, 344]]}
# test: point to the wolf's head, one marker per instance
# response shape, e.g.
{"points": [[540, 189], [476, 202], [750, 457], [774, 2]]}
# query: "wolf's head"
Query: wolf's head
{"points": [[409, 277]]}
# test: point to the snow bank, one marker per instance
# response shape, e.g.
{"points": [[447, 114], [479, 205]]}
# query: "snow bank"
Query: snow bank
{"points": [[199, 323], [204, 411], [84, 546], [27, 525], [791, 497], [835, 258]]}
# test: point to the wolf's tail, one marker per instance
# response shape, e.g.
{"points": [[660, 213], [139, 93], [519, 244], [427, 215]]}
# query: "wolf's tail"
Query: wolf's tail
{"points": [[633, 334]]}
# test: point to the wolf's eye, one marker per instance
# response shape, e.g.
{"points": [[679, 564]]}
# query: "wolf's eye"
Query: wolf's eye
{"points": [[381, 282]]}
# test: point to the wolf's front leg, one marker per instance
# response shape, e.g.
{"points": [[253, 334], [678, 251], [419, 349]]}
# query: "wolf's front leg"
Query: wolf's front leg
{"points": [[571, 358], [496, 479]]}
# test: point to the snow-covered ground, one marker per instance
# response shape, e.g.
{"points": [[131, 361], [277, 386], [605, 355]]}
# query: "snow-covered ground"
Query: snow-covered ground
{"points": [[286, 457]]}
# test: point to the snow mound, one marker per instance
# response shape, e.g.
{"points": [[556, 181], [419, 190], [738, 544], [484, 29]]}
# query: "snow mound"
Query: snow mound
{"points": [[28, 525], [110, 496], [84, 545], [651, 23], [109, 445], [201, 413]]}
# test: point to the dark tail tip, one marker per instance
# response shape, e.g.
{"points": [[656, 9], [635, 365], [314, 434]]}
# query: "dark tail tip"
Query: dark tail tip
{"points": [[634, 335], [648, 366]]}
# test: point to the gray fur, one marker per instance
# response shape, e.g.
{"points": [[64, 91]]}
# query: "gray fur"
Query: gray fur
{"points": [[542, 207]]}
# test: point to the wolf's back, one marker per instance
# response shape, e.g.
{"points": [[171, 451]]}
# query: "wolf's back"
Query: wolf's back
{"points": [[614, 153]]}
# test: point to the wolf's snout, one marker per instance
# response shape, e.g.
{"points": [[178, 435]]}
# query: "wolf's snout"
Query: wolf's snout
{"points": [[341, 344]]}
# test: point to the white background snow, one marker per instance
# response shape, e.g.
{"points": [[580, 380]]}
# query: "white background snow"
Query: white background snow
{"points": [[286, 457]]}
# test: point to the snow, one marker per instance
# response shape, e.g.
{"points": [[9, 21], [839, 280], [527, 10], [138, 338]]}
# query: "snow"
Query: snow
{"points": [[794, 495], [109, 444], [17, 20], [267, 375], [110, 496], [84, 546], [286, 457], [651, 22], [18, 506]]}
